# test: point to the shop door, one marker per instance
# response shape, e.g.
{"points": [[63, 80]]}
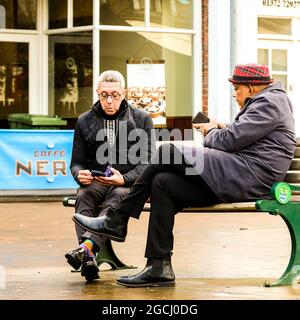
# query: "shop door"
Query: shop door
{"points": [[281, 57], [16, 77]]}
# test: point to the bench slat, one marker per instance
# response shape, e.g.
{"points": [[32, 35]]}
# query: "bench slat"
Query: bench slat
{"points": [[292, 176], [221, 207], [295, 165]]}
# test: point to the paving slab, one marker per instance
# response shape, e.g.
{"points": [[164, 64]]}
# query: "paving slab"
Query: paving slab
{"points": [[217, 256]]}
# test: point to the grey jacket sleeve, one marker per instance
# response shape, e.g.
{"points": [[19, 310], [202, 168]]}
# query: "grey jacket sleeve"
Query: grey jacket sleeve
{"points": [[147, 148], [260, 118]]}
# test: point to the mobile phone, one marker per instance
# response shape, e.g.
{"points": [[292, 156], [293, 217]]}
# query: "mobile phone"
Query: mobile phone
{"points": [[200, 118], [96, 173], [108, 172]]}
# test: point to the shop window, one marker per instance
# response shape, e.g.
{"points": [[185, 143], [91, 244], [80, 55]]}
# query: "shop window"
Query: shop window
{"points": [[172, 51], [276, 60], [122, 13], [279, 60], [58, 13], [263, 56], [70, 74], [281, 78], [163, 13], [13, 78], [18, 14], [274, 26], [171, 14], [2, 17], [82, 12]]}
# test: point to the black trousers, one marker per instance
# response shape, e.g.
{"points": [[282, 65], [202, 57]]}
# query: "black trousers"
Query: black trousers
{"points": [[170, 190], [88, 200]]}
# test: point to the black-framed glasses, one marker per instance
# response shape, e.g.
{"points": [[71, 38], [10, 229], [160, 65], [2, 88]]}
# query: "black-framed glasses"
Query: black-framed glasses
{"points": [[114, 95]]}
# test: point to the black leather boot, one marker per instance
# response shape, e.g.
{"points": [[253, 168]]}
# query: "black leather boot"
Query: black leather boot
{"points": [[157, 272], [113, 224], [89, 268], [76, 257], [80, 257]]}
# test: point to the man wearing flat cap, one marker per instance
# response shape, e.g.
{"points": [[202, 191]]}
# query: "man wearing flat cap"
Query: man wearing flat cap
{"points": [[239, 162]]}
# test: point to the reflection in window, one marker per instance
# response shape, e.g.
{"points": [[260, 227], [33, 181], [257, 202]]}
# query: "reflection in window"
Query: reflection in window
{"points": [[2, 17], [118, 13], [172, 13], [58, 13], [19, 14], [263, 57], [13, 78], [163, 13], [274, 26], [116, 48], [282, 79], [82, 12], [277, 64], [70, 74], [279, 60]]}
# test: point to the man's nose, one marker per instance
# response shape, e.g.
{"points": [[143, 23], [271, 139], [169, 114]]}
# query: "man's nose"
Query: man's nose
{"points": [[109, 99]]}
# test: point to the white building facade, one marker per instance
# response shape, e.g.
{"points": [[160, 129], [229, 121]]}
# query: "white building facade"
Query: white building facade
{"points": [[262, 31]]}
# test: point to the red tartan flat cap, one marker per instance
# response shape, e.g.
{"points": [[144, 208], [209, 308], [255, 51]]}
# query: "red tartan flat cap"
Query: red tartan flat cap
{"points": [[251, 73]]}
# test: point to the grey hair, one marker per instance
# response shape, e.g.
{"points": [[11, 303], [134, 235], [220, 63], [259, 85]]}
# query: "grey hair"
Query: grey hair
{"points": [[111, 76]]}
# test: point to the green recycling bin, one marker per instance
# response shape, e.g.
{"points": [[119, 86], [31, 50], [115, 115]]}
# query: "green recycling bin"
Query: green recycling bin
{"points": [[35, 121]]}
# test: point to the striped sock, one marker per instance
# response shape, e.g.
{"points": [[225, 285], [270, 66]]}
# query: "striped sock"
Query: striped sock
{"points": [[88, 245]]}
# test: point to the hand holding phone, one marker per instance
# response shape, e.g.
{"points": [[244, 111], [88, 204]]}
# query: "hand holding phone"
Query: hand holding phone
{"points": [[200, 118], [107, 173], [97, 173]]}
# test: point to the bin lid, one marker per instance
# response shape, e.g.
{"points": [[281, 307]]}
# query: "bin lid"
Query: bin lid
{"points": [[36, 119]]}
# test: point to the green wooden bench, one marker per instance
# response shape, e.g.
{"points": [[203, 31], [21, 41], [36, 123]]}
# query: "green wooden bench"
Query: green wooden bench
{"points": [[285, 202]]}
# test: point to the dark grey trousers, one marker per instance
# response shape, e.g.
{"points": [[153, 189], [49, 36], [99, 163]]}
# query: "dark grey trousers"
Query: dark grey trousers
{"points": [[87, 203]]}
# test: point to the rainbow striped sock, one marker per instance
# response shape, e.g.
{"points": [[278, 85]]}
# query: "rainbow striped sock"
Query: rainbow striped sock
{"points": [[88, 245]]}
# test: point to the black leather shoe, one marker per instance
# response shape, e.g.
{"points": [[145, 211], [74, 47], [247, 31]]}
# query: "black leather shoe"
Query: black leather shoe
{"points": [[90, 269], [76, 257], [157, 272], [112, 224]]}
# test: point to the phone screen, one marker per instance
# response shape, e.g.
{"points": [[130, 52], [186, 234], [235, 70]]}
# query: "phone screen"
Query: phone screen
{"points": [[200, 118]]}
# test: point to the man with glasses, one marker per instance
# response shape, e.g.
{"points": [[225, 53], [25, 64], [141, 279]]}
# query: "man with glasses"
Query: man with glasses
{"points": [[103, 138]]}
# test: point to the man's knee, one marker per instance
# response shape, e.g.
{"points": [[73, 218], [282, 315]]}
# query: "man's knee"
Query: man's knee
{"points": [[118, 192], [161, 180], [95, 189]]}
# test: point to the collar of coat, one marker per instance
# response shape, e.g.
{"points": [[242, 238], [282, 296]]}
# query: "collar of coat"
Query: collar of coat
{"points": [[273, 87]]}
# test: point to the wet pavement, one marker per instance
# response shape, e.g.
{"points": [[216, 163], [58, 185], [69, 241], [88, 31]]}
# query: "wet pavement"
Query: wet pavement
{"points": [[216, 256]]}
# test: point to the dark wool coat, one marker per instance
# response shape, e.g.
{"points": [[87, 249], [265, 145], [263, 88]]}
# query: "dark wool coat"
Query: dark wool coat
{"points": [[242, 161]]}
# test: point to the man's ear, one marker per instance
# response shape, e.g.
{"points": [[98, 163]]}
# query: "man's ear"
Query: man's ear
{"points": [[251, 89], [125, 92]]}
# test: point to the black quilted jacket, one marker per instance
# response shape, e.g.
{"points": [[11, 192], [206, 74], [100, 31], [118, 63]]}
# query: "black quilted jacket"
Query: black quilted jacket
{"points": [[86, 142]]}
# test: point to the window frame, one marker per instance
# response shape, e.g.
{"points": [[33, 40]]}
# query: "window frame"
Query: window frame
{"points": [[96, 28]]}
